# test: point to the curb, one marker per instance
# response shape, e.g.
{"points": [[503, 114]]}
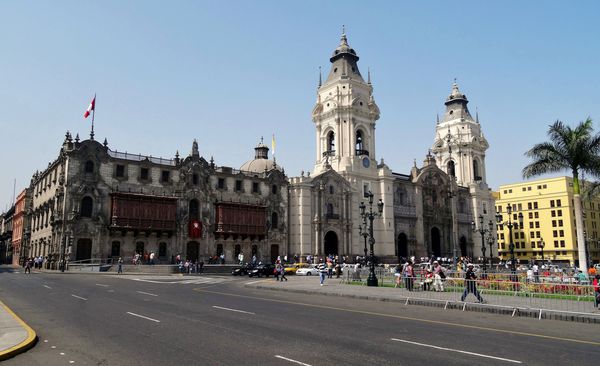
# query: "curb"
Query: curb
{"points": [[29, 342], [449, 304]]}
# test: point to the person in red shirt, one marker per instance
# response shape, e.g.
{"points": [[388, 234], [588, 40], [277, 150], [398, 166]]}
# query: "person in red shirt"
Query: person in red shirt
{"points": [[596, 284]]}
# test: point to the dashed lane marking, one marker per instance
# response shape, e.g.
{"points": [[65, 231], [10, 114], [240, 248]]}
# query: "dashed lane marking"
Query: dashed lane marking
{"points": [[143, 317], [79, 297], [237, 311], [48, 287], [455, 350], [146, 293], [293, 361]]}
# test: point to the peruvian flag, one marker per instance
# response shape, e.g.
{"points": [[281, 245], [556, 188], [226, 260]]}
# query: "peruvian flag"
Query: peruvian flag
{"points": [[90, 108], [195, 229]]}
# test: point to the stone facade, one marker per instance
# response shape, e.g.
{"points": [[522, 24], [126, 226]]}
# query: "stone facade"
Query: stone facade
{"points": [[93, 202]]}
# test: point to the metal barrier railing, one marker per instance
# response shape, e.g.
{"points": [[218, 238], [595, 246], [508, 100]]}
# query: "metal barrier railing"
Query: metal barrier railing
{"points": [[554, 294]]}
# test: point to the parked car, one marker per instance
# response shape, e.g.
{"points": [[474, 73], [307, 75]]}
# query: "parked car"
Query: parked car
{"points": [[262, 270], [292, 268], [307, 271], [243, 270]]}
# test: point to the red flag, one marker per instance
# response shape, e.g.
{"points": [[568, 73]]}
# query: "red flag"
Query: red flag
{"points": [[90, 108], [195, 229]]}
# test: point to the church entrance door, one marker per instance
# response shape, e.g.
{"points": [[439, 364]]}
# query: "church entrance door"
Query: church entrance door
{"points": [[463, 246], [193, 249], [436, 245], [84, 249], [331, 243], [402, 247]]}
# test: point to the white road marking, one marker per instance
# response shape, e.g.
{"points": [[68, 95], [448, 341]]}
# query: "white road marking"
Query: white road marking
{"points": [[146, 293], [290, 360], [110, 291], [48, 287], [79, 297], [101, 285], [249, 283], [143, 317], [456, 350], [237, 311], [53, 347], [62, 353], [71, 361]]}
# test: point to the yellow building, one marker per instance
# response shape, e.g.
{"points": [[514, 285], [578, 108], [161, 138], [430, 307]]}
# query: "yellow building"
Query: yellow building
{"points": [[546, 206]]}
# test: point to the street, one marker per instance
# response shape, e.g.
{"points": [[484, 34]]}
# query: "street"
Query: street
{"points": [[92, 319]]}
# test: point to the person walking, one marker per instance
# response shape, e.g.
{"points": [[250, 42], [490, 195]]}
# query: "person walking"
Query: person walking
{"points": [[438, 276], [470, 284], [28, 265], [322, 272], [120, 266], [409, 275], [282, 273]]}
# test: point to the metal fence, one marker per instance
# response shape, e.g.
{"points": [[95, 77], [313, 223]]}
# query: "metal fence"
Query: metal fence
{"points": [[563, 294]]}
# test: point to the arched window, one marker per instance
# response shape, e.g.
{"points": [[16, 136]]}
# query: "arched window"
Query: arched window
{"points": [[331, 190], [450, 168], [89, 166], [476, 174], [194, 210], [87, 206], [274, 220], [329, 209], [274, 189], [331, 143], [359, 140]]}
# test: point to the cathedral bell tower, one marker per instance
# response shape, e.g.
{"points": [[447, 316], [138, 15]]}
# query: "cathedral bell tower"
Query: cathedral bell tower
{"points": [[460, 149], [345, 116]]}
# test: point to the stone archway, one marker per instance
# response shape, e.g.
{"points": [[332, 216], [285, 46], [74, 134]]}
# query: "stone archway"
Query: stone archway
{"points": [[436, 244], [463, 246], [84, 249], [331, 243], [402, 247], [192, 251]]}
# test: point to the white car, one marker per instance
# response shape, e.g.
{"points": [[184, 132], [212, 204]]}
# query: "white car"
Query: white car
{"points": [[308, 271]]}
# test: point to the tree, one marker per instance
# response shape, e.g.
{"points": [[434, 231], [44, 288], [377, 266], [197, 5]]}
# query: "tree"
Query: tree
{"points": [[575, 150]]}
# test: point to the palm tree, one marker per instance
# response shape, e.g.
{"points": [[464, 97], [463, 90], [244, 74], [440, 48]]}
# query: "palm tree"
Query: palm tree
{"points": [[570, 149]]}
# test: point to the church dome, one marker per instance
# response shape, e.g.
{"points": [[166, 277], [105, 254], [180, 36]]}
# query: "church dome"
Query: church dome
{"points": [[261, 161]]}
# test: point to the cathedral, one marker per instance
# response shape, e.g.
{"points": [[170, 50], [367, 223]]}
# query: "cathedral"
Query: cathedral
{"points": [[93, 202]]}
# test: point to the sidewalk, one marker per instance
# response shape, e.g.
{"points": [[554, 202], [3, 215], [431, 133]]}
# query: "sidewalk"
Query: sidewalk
{"points": [[568, 310], [15, 336]]}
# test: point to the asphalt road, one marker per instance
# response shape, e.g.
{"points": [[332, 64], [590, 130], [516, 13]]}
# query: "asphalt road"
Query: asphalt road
{"points": [[214, 320]]}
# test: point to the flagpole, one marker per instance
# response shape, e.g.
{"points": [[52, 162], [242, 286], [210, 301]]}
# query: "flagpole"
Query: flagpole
{"points": [[93, 115]]}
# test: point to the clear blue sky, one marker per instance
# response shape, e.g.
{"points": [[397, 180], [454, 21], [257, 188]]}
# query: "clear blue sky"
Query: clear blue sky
{"points": [[227, 72]]}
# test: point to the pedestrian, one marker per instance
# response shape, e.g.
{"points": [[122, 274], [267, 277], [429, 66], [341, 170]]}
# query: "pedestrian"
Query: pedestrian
{"points": [[152, 255], [276, 272], [322, 272], [120, 265], [409, 276], [398, 275], [222, 256], [536, 272], [282, 272], [329, 268], [470, 284], [201, 266], [28, 265], [438, 277], [596, 284]]}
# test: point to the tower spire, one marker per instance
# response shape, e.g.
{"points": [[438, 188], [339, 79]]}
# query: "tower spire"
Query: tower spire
{"points": [[320, 77], [368, 75]]}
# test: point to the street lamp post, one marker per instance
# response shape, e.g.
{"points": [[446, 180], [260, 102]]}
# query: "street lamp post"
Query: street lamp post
{"points": [[542, 245], [370, 215], [511, 246], [483, 231], [364, 234], [491, 244]]}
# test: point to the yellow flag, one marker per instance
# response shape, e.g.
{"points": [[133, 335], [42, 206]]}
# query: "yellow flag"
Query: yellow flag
{"points": [[273, 144]]}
